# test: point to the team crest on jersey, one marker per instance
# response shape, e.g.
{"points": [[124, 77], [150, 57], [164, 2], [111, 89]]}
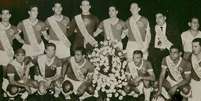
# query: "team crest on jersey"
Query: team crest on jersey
{"points": [[118, 27], [11, 31], [180, 69], [38, 27], [86, 21], [140, 24], [64, 22]]}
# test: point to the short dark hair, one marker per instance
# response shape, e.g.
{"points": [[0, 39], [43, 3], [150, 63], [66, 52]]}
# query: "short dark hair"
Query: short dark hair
{"points": [[32, 6], [50, 45], [164, 12], [138, 52], [3, 9], [113, 6], [193, 17], [85, 0], [20, 50], [57, 2], [197, 40], [175, 47], [138, 4], [81, 49]]}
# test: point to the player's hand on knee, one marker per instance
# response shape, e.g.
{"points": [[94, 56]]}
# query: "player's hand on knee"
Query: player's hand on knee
{"points": [[81, 90], [172, 90], [28, 89]]}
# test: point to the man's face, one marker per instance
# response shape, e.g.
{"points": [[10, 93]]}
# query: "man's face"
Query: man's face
{"points": [[137, 58], [85, 6], [196, 48], [33, 12], [5, 15], [174, 54], [78, 56], [134, 9], [112, 12], [160, 19], [50, 51], [57, 8], [194, 24], [20, 57]]}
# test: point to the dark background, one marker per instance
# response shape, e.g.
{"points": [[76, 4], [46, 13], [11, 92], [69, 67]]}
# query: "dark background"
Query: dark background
{"points": [[178, 11]]}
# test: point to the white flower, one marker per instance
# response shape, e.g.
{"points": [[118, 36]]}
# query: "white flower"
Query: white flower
{"points": [[94, 81], [120, 97], [116, 94], [103, 89], [109, 95], [120, 86], [96, 93], [107, 99], [123, 93], [125, 83]]}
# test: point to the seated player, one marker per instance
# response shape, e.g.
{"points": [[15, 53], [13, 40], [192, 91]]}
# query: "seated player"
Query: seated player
{"points": [[19, 82], [140, 74], [49, 71], [77, 71], [175, 75]]}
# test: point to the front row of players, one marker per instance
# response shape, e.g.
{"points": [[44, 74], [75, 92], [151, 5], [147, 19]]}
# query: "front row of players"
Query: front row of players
{"points": [[68, 76], [73, 75]]}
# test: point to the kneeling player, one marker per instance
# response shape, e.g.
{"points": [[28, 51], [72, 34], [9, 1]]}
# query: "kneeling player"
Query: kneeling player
{"points": [[49, 71], [175, 74], [140, 75], [77, 70], [18, 76]]}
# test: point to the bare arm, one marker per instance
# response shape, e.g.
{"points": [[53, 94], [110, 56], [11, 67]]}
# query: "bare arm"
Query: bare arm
{"points": [[19, 38], [13, 82], [45, 35], [97, 32], [124, 33], [151, 76], [184, 81]]}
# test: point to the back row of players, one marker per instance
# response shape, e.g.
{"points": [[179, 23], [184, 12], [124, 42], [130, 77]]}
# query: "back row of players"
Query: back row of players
{"points": [[86, 27]]}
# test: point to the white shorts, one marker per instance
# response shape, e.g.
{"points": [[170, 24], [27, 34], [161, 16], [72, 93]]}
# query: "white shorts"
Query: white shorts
{"points": [[4, 58], [196, 90], [33, 52], [61, 50]]}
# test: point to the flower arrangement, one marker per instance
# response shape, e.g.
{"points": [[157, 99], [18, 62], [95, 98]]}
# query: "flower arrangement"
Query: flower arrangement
{"points": [[109, 76]]}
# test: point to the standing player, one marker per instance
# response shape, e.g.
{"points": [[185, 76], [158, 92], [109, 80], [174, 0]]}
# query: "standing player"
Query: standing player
{"points": [[57, 31]]}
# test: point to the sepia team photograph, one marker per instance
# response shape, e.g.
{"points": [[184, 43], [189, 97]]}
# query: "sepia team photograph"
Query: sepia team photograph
{"points": [[100, 50]]}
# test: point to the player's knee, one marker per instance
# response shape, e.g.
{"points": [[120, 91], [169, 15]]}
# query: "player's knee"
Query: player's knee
{"points": [[186, 90], [34, 84], [12, 90], [133, 83], [146, 84], [90, 90], [67, 86]]}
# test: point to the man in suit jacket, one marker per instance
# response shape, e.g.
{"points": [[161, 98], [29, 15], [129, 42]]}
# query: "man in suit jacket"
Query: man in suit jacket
{"points": [[164, 36]]}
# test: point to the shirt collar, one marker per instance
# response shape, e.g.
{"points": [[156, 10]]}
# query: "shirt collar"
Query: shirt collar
{"points": [[164, 25]]}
